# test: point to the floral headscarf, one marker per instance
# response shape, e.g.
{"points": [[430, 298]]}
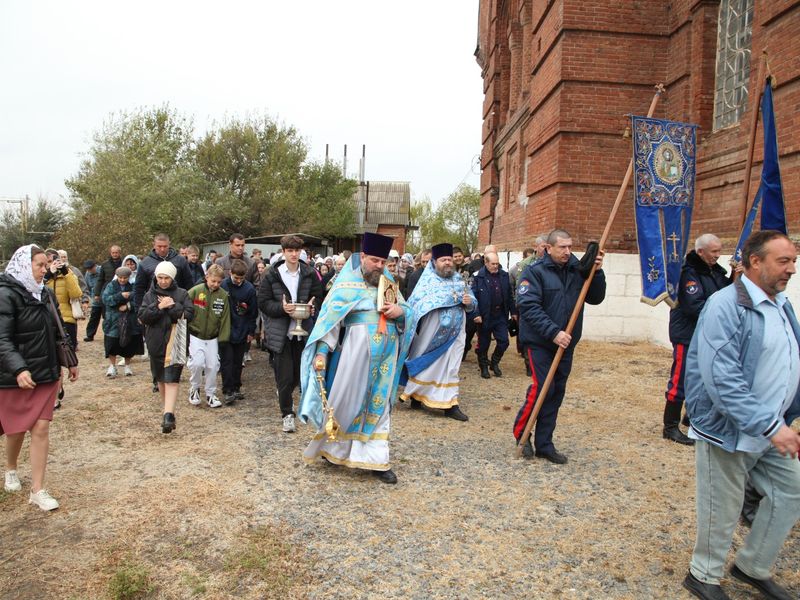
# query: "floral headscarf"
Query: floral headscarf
{"points": [[19, 267]]}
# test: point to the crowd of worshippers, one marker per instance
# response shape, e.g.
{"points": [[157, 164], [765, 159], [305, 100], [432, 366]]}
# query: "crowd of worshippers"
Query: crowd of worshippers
{"points": [[349, 331]]}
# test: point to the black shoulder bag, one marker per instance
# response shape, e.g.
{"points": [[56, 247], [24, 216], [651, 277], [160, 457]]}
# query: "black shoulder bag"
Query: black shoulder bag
{"points": [[65, 353]]}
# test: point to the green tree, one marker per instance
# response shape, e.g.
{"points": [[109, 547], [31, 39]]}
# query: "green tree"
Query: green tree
{"points": [[459, 211], [255, 165], [139, 171], [44, 218], [455, 220], [326, 198]]}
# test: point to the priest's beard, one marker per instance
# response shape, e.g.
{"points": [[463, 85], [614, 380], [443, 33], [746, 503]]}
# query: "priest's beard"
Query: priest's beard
{"points": [[445, 272], [373, 277]]}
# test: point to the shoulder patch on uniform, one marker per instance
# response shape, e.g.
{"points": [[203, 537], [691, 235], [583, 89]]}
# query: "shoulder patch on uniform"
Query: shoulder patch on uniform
{"points": [[691, 287], [523, 286]]}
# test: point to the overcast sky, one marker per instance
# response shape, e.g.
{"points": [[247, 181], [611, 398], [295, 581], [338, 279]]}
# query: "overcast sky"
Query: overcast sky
{"points": [[399, 77]]}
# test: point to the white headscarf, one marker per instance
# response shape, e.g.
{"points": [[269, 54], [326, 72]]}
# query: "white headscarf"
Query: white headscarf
{"points": [[19, 267]]}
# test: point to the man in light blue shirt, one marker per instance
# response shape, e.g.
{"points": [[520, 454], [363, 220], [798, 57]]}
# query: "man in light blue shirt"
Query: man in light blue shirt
{"points": [[742, 384]]}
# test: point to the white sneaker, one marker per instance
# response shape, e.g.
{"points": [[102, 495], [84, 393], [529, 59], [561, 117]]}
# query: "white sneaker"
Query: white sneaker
{"points": [[111, 372], [12, 482], [288, 424], [213, 401], [128, 371], [194, 397], [247, 357], [43, 500]]}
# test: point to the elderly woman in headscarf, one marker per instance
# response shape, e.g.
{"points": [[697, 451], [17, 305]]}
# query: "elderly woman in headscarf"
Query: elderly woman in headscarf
{"points": [[122, 335], [30, 375], [132, 262]]}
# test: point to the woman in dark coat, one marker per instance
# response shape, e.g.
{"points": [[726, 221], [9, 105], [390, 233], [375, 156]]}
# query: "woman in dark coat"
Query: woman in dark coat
{"points": [[30, 375], [162, 306]]}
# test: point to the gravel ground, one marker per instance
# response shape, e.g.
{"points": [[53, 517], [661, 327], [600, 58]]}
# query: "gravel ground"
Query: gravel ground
{"points": [[225, 507]]}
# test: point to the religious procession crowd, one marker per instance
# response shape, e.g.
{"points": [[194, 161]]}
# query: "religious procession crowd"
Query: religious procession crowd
{"points": [[349, 331]]}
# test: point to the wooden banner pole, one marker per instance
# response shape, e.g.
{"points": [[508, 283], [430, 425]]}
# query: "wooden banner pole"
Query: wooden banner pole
{"points": [[751, 143], [584, 290]]}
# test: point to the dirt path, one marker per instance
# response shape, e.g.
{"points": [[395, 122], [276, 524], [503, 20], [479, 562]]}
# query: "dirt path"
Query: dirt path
{"points": [[225, 507]]}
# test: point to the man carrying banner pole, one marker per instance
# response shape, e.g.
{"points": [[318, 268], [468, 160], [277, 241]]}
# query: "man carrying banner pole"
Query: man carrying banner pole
{"points": [[523, 434]]}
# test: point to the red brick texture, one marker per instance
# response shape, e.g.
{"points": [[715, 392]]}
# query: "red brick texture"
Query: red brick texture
{"points": [[562, 76]]}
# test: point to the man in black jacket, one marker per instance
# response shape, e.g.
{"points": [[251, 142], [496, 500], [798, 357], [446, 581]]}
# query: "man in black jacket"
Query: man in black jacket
{"points": [[161, 251], [701, 276], [413, 278], [492, 288], [104, 277], [288, 282], [236, 251], [546, 296]]}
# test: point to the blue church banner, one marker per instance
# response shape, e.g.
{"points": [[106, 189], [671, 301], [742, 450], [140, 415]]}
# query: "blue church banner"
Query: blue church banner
{"points": [[664, 171], [770, 189]]}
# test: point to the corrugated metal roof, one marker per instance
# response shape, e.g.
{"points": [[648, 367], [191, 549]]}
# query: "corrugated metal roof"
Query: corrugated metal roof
{"points": [[383, 203]]}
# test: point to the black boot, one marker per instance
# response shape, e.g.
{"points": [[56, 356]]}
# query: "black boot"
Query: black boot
{"points": [[496, 356], [672, 416], [168, 424], [483, 363]]}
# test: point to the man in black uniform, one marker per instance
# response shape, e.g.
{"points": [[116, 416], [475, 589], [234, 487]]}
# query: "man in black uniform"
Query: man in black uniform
{"points": [[547, 293], [701, 276]]}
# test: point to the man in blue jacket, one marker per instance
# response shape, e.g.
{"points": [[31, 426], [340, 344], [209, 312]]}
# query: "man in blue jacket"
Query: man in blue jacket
{"points": [[492, 288], [546, 296], [742, 376]]}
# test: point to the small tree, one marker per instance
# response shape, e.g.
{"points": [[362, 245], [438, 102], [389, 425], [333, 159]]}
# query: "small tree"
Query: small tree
{"points": [[459, 211], [455, 220], [45, 218]]}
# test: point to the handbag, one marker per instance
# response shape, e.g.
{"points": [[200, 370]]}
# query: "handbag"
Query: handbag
{"points": [[65, 353], [177, 343], [77, 309], [124, 325]]}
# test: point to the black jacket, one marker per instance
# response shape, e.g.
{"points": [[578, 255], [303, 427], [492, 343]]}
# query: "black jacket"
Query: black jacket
{"points": [[158, 322], [483, 293], [546, 296], [244, 309], [270, 301], [28, 333], [698, 281], [107, 271], [411, 282], [144, 274], [198, 275]]}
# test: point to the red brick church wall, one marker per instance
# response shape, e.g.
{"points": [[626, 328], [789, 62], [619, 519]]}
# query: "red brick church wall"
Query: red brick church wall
{"points": [[560, 78]]}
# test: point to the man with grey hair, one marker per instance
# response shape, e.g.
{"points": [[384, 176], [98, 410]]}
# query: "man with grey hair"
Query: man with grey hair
{"points": [[742, 395], [547, 293], [701, 276]]}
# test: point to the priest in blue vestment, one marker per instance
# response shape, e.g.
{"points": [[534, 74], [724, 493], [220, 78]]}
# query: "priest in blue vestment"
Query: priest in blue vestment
{"points": [[441, 302], [358, 350]]}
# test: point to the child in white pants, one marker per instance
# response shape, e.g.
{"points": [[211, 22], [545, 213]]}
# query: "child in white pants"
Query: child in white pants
{"points": [[203, 364], [210, 327]]}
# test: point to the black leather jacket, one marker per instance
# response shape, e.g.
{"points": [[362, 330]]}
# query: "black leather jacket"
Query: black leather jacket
{"points": [[28, 333]]}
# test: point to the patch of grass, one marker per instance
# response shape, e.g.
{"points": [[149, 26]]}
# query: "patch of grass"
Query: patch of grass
{"points": [[131, 580], [4, 495], [195, 583], [262, 556]]}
